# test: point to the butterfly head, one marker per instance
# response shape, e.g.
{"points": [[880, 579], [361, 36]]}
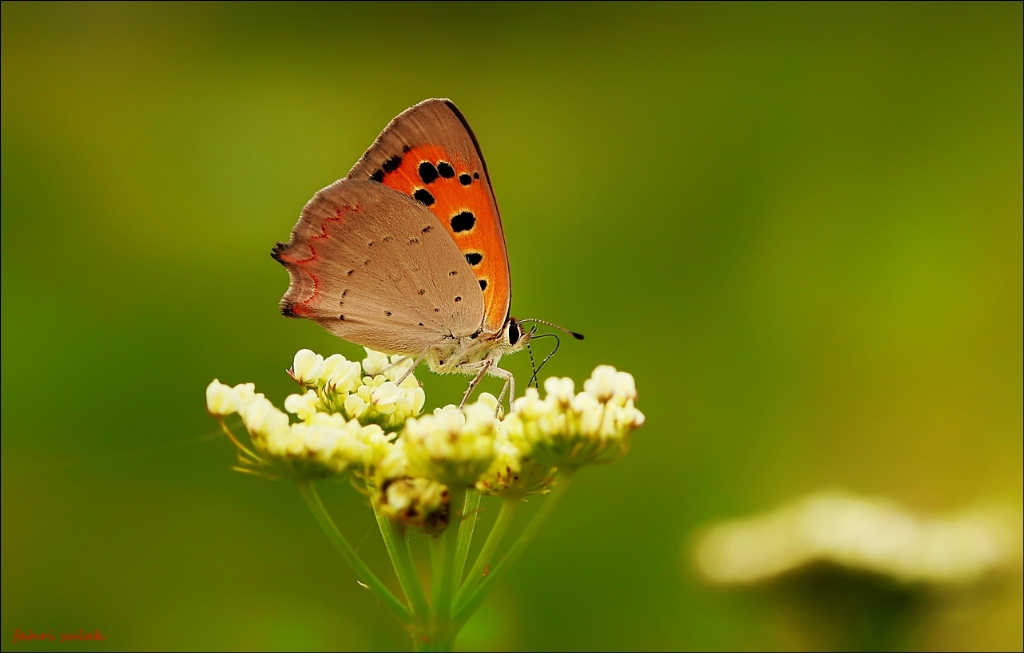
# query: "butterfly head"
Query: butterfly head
{"points": [[515, 337]]}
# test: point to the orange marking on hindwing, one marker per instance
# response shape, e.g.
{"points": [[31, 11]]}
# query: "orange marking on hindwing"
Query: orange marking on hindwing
{"points": [[447, 197]]}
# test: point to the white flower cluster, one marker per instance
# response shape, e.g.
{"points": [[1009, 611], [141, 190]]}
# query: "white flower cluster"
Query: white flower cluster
{"points": [[566, 429], [321, 445], [368, 393], [867, 535], [453, 446], [350, 413]]}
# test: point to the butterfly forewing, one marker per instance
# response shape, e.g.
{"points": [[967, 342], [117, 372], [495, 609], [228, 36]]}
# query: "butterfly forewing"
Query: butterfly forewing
{"points": [[430, 154], [373, 266]]}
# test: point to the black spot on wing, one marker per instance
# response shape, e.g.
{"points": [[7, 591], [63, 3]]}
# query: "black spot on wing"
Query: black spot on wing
{"points": [[424, 197], [483, 284], [474, 258], [377, 176], [465, 179], [445, 169], [463, 222], [428, 173]]}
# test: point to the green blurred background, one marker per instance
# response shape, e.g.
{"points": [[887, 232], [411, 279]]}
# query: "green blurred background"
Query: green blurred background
{"points": [[798, 226]]}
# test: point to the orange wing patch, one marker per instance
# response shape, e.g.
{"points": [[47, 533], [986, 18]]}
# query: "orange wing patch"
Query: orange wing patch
{"points": [[459, 197]]}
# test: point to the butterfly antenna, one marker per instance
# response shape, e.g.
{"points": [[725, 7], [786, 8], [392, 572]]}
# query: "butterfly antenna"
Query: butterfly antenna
{"points": [[578, 336], [536, 372], [533, 364]]}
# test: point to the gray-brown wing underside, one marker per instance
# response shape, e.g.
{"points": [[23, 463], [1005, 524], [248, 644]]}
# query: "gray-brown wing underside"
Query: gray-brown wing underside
{"points": [[375, 268]]}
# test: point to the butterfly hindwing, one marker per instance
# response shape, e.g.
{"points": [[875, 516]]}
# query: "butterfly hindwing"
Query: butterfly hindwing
{"points": [[373, 266], [429, 153]]}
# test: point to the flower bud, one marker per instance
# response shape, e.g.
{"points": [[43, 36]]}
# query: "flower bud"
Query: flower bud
{"points": [[375, 362], [220, 399], [307, 367], [304, 406]]}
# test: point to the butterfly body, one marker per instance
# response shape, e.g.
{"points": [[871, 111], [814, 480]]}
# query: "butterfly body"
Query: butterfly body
{"points": [[406, 254]]}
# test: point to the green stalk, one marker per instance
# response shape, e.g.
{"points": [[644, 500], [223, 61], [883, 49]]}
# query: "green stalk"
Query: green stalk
{"points": [[405, 567], [350, 555], [466, 608], [421, 607], [480, 567], [466, 528], [436, 571], [443, 612]]}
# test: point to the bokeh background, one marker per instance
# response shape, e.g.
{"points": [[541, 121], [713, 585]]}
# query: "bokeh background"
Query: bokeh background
{"points": [[799, 227]]}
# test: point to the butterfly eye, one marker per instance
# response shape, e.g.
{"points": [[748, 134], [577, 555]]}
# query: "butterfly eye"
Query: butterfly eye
{"points": [[513, 332]]}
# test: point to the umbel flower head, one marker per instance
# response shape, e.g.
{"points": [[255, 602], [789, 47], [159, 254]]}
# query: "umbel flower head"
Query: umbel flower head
{"points": [[568, 429], [454, 445], [358, 417], [320, 445]]}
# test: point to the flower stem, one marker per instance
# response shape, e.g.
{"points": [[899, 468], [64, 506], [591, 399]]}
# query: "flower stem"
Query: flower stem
{"points": [[436, 571], [466, 608], [405, 567], [480, 567], [466, 528], [351, 557], [443, 611], [231, 436]]}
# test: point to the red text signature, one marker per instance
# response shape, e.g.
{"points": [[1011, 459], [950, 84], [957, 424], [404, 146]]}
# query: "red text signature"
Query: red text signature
{"points": [[81, 636]]}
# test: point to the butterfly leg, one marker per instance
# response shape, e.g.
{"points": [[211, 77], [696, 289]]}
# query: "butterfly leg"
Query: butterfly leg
{"points": [[510, 383], [486, 365], [411, 367]]}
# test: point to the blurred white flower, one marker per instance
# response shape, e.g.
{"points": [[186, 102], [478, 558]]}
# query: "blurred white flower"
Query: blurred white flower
{"points": [[511, 475], [304, 406], [220, 399], [244, 393], [262, 419], [869, 535], [415, 503]]}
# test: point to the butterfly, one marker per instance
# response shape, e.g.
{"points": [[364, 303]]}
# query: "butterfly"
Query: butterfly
{"points": [[406, 254]]}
